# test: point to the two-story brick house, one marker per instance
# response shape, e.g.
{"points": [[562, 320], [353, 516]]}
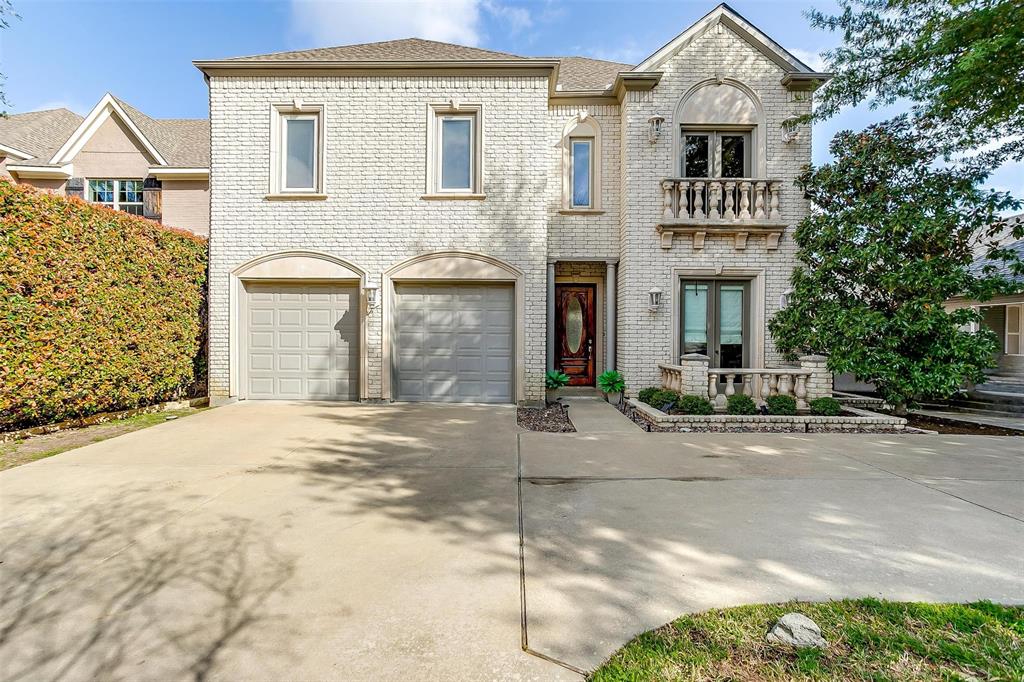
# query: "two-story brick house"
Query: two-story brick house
{"points": [[412, 220]]}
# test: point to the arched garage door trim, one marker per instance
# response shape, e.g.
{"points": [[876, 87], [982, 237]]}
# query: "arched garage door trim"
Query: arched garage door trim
{"points": [[291, 266], [451, 267]]}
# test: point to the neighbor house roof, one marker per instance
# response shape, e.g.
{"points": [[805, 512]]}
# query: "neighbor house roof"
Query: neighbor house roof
{"points": [[50, 139], [36, 133], [1002, 267], [405, 50]]}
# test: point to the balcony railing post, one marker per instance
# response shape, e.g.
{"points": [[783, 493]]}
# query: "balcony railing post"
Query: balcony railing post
{"points": [[684, 200], [669, 187], [714, 190], [759, 201], [801, 392], [774, 213], [712, 386], [730, 189], [744, 200], [698, 201]]}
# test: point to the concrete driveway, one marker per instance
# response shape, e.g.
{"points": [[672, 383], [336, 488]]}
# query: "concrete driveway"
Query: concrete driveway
{"points": [[274, 541], [624, 532], [322, 541]]}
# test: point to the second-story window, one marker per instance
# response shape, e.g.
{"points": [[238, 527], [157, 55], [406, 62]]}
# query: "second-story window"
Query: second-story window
{"points": [[456, 163], [715, 154], [297, 151], [582, 172], [122, 195]]}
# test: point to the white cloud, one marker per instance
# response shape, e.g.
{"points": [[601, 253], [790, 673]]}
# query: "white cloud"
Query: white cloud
{"points": [[811, 59], [334, 22]]}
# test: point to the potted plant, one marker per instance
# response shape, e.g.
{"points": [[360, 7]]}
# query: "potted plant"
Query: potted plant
{"points": [[553, 381], [612, 385]]}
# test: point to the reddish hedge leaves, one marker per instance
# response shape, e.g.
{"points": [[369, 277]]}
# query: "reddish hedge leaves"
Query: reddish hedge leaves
{"points": [[99, 310]]}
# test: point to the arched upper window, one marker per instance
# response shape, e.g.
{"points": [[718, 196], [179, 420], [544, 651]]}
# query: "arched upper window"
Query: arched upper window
{"points": [[581, 164], [719, 131]]}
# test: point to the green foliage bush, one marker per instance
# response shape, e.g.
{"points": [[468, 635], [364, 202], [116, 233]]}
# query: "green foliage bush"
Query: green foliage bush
{"points": [[694, 404], [555, 379], [781, 404], [660, 398], [99, 310], [826, 407], [611, 382], [740, 403]]}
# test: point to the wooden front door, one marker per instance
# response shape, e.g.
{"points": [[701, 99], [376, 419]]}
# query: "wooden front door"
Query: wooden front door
{"points": [[576, 331]]}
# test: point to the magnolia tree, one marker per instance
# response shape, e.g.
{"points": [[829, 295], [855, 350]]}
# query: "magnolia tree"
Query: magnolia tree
{"points": [[890, 238]]}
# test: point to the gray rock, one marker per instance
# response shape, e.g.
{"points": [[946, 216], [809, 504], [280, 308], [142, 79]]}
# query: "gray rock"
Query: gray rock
{"points": [[797, 630]]}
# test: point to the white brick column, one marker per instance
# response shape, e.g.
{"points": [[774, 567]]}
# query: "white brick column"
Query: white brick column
{"points": [[695, 374], [551, 316], [819, 383], [610, 285]]}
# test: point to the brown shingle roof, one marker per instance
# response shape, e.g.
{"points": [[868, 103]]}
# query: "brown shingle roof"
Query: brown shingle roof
{"points": [[407, 49], [39, 133], [574, 73], [183, 142], [584, 73]]}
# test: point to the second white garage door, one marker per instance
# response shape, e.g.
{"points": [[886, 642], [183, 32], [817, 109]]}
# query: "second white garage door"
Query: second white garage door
{"points": [[454, 343]]}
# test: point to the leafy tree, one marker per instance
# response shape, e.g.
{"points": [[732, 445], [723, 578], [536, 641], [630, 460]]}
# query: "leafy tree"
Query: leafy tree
{"points": [[6, 10], [961, 62], [890, 238]]}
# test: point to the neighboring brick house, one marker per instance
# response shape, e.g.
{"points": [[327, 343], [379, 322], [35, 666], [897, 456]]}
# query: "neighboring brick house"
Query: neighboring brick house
{"points": [[117, 156], [412, 220]]}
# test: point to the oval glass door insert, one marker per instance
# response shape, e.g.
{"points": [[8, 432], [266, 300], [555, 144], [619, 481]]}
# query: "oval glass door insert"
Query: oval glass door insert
{"points": [[574, 325]]}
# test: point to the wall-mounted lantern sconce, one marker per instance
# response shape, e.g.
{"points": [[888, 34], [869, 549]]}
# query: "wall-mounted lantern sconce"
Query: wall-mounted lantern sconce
{"points": [[790, 131], [655, 124], [654, 299], [372, 296]]}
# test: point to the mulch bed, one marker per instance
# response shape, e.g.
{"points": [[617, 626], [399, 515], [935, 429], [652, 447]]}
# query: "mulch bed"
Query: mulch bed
{"points": [[957, 427], [554, 418]]}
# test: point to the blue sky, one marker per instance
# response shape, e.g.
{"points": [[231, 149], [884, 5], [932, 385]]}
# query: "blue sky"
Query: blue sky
{"points": [[69, 53]]}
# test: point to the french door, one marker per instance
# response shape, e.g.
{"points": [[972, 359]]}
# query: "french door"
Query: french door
{"points": [[715, 320], [714, 154]]}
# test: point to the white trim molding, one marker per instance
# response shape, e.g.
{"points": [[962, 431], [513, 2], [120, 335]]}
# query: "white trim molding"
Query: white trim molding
{"points": [[289, 266], [435, 114], [581, 127], [169, 173], [53, 172], [468, 267], [697, 109], [104, 109], [279, 114], [16, 153]]}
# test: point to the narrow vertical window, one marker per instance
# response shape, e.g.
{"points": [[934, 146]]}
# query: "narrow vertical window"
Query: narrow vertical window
{"points": [[456, 163], [300, 153], [582, 172]]}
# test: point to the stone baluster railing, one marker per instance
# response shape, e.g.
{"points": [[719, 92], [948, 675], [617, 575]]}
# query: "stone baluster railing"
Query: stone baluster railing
{"points": [[719, 200]]}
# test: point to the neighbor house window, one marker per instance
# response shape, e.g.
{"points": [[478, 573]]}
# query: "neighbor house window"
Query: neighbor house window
{"points": [[582, 172], [454, 150], [122, 195], [297, 150]]}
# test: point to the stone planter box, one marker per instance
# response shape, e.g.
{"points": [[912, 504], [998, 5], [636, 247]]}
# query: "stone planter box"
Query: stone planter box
{"points": [[860, 421]]}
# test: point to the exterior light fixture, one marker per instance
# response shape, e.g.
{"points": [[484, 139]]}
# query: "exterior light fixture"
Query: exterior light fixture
{"points": [[654, 299], [655, 124], [372, 296], [790, 131]]}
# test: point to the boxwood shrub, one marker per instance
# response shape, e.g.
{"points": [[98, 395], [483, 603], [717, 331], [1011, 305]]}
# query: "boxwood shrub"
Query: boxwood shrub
{"points": [[694, 404], [660, 398], [826, 407], [740, 403], [99, 310], [781, 404]]}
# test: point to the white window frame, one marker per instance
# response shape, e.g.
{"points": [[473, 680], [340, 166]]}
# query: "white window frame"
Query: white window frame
{"points": [[1018, 332], [581, 127], [436, 115], [280, 114], [714, 135], [589, 141], [116, 204]]}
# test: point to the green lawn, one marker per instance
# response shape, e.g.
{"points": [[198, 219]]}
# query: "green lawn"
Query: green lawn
{"points": [[868, 639], [39, 447]]}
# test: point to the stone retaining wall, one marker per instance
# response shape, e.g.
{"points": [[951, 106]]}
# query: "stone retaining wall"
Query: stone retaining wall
{"points": [[862, 421]]}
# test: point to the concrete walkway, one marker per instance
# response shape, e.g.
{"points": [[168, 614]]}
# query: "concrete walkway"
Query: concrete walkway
{"points": [[271, 541], [625, 532], [1005, 422], [595, 415]]}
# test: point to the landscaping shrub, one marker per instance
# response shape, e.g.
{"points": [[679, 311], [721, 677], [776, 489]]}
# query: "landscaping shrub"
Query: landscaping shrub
{"points": [[99, 310], [661, 398], [694, 404], [740, 403], [781, 404], [826, 407]]}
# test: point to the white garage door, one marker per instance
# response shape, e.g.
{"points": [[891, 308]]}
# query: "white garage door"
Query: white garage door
{"points": [[302, 341], [454, 343]]}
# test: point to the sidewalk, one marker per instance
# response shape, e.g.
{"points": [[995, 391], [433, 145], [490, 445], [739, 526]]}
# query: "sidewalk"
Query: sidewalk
{"points": [[594, 415]]}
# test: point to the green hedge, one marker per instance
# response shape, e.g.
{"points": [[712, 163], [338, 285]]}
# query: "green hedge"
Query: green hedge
{"points": [[99, 310]]}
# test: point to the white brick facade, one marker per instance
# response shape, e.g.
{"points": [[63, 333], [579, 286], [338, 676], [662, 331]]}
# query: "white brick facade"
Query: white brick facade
{"points": [[374, 215]]}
